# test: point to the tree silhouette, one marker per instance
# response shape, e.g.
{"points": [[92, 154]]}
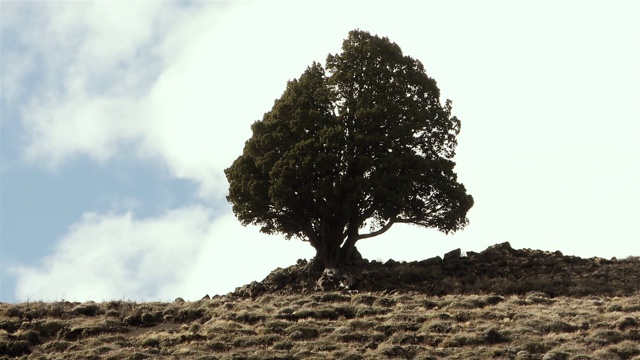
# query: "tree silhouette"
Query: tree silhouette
{"points": [[350, 150]]}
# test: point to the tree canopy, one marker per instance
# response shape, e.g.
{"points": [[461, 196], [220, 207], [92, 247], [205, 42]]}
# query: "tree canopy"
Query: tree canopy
{"points": [[351, 149]]}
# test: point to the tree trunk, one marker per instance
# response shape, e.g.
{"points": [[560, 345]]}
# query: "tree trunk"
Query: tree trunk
{"points": [[330, 254], [332, 250], [347, 252], [333, 256]]}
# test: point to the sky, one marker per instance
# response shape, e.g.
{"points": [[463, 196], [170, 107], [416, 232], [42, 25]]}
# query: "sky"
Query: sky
{"points": [[118, 119]]}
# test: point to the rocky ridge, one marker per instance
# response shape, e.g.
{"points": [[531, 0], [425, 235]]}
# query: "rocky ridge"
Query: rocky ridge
{"points": [[499, 269]]}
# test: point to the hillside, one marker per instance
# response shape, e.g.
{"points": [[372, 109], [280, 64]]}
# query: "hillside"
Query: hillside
{"points": [[501, 303]]}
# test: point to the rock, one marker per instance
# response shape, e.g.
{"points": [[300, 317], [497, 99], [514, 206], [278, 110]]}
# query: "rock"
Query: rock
{"points": [[329, 280], [334, 280], [502, 247], [434, 261], [256, 288], [453, 255], [495, 253], [251, 290], [179, 301], [391, 263], [348, 282], [206, 297], [498, 270]]}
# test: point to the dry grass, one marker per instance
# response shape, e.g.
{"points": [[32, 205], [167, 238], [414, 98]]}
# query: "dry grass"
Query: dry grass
{"points": [[328, 326]]}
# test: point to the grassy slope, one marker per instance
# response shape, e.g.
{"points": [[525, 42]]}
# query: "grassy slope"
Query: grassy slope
{"points": [[329, 325], [590, 309]]}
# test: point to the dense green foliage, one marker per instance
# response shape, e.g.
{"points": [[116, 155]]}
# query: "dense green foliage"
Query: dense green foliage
{"points": [[361, 144]]}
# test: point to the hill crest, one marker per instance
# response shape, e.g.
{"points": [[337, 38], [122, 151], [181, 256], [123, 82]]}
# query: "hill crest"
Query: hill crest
{"points": [[499, 269]]}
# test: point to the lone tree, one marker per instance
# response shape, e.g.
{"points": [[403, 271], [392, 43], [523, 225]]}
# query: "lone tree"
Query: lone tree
{"points": [[359, 145]]}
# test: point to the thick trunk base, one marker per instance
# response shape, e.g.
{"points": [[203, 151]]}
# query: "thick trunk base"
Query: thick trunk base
{"points": [[345, 258]]}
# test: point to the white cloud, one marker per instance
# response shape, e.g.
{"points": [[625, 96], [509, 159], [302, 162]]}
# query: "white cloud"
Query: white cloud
{"points": [[89, 64], [201, 107], [93, 127], [183, 252], [547, 146], [244, 255], [176, 84], [181, 89], [114, 256]]}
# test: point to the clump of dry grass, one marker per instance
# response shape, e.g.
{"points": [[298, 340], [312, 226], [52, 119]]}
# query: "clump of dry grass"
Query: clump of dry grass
{"points": [[329, 325]]}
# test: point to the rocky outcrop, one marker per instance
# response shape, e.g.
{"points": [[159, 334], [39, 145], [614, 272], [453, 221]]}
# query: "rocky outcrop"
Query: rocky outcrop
{"points": [[499, 269]]}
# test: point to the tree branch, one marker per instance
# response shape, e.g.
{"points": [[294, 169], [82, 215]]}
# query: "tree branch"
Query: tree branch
{"points": [[386, 227], [304, 225]]}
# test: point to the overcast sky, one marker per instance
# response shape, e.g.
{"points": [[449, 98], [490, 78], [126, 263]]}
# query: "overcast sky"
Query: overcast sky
{"points": [[118, 119]]}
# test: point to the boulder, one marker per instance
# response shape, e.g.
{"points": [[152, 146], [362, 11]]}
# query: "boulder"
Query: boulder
{"points": [[453, 255]]}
